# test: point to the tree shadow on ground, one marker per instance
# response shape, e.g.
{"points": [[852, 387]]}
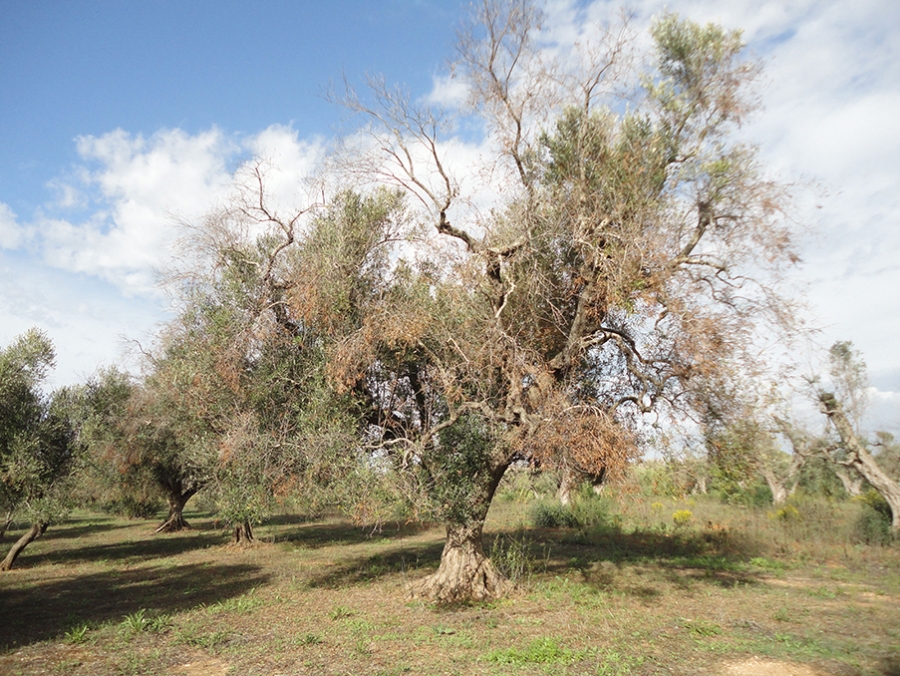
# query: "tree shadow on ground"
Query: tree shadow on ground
{"points": [[333, 533], [47, 609], [401, 560], [149, 546], [683, 558], [72, 528]]}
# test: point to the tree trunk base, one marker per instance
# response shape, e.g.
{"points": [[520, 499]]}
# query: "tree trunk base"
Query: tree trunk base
{"points": [[173, 524], [243, 535], [33, 534], [465, 573]]}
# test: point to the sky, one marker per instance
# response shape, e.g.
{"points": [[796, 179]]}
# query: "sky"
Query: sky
{"points": [[119, 121]]}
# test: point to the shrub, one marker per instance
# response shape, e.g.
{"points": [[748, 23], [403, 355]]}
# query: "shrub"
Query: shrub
{"points": [[511, 555], [682, 517], [873, 527], [549, 515], [786, 513], [873, 499]]}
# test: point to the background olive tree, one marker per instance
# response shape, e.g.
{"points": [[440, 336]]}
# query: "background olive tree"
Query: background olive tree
{"points": [[843, 404], [38, 448]]}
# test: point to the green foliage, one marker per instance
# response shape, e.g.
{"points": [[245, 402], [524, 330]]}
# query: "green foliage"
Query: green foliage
{"points": [[139, 621], [656, 478], [341, 613], [553, 515], [309, 639], [540, 651], [875, 501], [457, 472], [511, 555], [735, 449], [38, 441], [702, 628], [786, 513], [78, 633], [682, 517], [817, 477], [588, 512], [873, 526]]}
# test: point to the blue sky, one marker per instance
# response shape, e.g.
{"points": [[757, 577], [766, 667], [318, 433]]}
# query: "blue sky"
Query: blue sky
{"points": [[117, 119], [86, 68]]}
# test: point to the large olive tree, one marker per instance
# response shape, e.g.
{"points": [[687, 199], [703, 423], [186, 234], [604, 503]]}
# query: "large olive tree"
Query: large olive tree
{"points": [[616, 254]]}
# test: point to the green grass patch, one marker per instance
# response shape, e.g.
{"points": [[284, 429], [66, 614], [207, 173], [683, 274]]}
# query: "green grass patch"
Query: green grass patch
{"points": [[545, 650]]}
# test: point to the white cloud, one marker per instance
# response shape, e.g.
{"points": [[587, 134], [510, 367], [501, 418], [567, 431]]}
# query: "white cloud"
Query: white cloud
{"points": [[448, 92], [12, 235], [93, 280], [86, 319], [288, 163], [139, 190]]}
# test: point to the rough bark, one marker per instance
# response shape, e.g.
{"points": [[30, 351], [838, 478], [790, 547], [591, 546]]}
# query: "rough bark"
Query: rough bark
{"points": [[243, 534], [176, 521], [859, 459], [782, 487], [568, 482], [6, 524], [36, 530], [466, 573], [699, 487], [852, 484]]}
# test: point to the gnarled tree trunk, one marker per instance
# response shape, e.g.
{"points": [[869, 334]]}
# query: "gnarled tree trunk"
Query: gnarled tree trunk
{"points": [[861, 460], [852, 484], [6, 524], [782, 487], [568, 482], [466, 573], [176, 521], [243, 534], [36, 530]]}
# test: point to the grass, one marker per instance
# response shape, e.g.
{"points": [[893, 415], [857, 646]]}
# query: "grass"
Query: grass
{"points": [[627, 592]]}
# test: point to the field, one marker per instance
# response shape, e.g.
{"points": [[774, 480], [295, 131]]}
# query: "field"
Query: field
{"points": [[646, 586]]}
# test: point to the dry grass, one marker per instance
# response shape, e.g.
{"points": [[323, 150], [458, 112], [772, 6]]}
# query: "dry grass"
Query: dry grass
{"points": [[104, 596]]}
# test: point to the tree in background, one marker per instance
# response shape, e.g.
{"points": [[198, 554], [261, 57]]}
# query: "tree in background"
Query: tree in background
{"points": [[844, 407], [112, 478], [37, 439], [237, 383]]}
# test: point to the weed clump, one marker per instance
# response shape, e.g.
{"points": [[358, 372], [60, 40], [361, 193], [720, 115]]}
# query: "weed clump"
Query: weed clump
{"points": [[511, 556], [682, 517], [544, 515], [873, 527]]}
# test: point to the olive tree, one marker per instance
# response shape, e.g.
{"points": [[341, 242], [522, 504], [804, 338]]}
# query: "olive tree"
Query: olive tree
{"points": [[236, 386], [843, 408], [37, 439], [626, 256]]}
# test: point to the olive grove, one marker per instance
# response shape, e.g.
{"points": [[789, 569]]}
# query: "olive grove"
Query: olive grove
{"points": [[582, 247]]}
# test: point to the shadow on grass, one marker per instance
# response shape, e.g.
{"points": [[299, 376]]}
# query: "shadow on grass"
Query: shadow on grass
{"points": [[48, 609], [149, 546], [683, 558], [410, 558], [78, 528], [334, 533]]}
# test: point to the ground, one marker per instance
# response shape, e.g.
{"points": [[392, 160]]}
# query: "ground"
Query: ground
{"points": [[103, 596]]}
